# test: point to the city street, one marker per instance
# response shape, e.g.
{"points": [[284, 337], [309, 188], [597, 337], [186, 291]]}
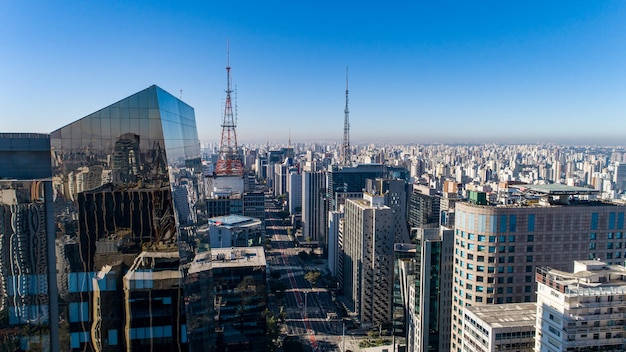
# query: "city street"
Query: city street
{"points": [[306, 307]]}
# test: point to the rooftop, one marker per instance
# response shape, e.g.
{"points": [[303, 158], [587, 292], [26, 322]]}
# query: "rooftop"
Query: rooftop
{"points": [[232, 220], [228, 258], [555, 189], [506, 315]]}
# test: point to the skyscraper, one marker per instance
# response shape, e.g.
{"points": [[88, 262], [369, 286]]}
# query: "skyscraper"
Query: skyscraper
{"points": [[126, 181], [368, 237], [28, 287], [497, 247]]}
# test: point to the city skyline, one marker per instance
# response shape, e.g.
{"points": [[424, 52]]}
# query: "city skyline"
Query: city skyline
{"points": [[444, 73]]}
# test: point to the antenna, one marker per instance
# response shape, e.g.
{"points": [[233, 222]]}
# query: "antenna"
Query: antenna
{"points": [[229, 162], [346, 155], [181, 95]]}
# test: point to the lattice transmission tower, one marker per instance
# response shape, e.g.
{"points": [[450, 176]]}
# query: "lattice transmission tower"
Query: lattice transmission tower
{"points": [[229, 162]]}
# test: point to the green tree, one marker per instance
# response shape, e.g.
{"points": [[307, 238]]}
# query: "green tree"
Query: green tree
{"points": [[312, 277], [272, 334]]}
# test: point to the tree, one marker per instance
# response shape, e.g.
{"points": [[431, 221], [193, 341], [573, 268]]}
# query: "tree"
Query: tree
{"points": [[312, 277], [272, 330]]}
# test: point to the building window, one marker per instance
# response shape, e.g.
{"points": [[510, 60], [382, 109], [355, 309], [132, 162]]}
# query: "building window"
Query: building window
{"points": [[529, 249], [529, 269], [531, 238], [593, 236], [594, 221], [513, 223], [531, 222]]}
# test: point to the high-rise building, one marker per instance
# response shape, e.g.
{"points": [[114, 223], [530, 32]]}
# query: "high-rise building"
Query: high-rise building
{"points": [[424, 204], [368, 237], [126, 180], [396, 197], [28, 285], [294, 192], [426, 288], [583, 310], [498, 247], [314, 205], [240, 298]]}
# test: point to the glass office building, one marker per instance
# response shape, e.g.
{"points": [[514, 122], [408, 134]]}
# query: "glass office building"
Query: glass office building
{"points": [[125, 184], [27, 277]]}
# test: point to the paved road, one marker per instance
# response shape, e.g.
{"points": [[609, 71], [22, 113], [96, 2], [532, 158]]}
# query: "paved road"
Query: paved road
{"points": [[310, 323]]}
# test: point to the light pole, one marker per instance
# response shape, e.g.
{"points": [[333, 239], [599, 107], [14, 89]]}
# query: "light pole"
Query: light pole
{"points": [[343, 336], [305, 303]]}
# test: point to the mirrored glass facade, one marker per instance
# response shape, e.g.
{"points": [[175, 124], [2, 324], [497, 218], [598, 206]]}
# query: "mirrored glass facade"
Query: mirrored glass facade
{"points": [[27, 277], [126, 182]]}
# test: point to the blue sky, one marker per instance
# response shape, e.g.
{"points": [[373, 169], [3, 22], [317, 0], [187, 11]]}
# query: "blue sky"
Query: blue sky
{"points": [[423, 71]]}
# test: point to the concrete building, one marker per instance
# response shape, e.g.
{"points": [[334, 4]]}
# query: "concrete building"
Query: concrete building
{"points": [[498, 247], [583, 310], [368, 236], [235, 231], [335, 243], [424, 206], [239, 277], [500, 327]]}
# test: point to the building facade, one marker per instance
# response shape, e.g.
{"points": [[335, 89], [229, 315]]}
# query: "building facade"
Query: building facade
{"points": [[498, 247], [500, 327], [368, 235], [426, 288], [28, 285], [116, 178], [583, 310]]}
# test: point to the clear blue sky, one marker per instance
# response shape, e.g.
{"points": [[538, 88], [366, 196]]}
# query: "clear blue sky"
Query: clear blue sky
{"points": [[420, 71]]}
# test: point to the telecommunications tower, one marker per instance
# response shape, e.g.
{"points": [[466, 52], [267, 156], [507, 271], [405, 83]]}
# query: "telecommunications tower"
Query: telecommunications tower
{"points": [[229, 162], [346, 153]]}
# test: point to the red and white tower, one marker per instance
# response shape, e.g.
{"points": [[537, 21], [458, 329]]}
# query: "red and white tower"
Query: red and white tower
{"points": [[229, 162]]}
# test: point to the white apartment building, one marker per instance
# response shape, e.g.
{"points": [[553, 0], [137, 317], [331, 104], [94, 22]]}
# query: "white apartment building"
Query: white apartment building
{"points": [[500, 327], [581, 311]]}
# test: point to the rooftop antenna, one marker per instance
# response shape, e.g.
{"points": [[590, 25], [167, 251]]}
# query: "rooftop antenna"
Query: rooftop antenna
{"points": [[181, 95]]}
